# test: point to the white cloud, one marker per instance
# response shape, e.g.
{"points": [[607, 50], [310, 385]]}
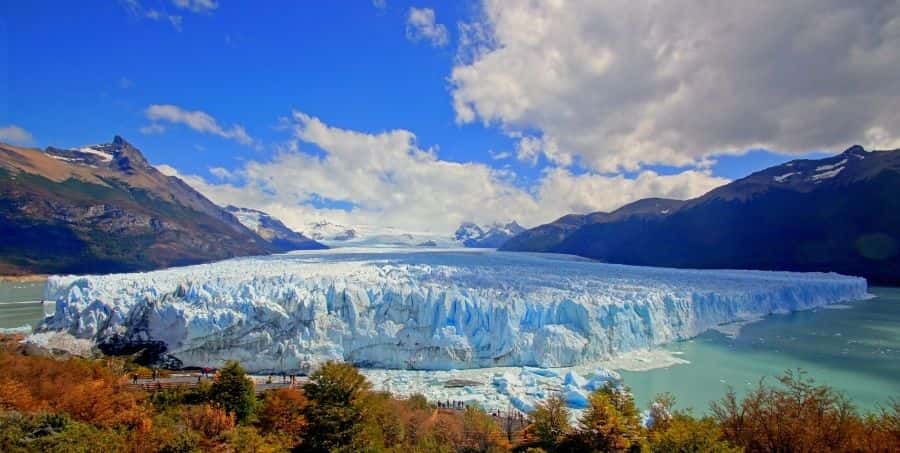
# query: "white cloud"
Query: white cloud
{"points": [[197, 6], [221, 173], [421, 26], [499, 155], [380, 4], [125, 83], [195, 119], [169, 170], [591, 192], [624, 84], [391, 181], [15, 134]]}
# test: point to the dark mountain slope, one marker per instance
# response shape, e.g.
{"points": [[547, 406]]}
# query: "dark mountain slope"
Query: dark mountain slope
{"points": [[105, 209], [839, 214], [546, 237]]}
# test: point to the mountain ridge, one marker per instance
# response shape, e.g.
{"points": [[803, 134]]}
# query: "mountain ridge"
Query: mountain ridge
{"points": [[104, 208], [839, 214]]}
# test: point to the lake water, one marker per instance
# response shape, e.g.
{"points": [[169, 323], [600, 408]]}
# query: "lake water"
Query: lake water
{"points": [[854, 348], [14, 313]]}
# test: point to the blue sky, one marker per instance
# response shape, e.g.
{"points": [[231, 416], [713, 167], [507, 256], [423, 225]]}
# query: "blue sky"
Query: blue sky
{"points": [[81, 72], [88, 70]]}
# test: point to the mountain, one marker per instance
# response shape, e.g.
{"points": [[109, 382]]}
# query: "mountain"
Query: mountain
{"points": [[338, 235], [491, 236], [838, 214], [324, 230], [280, 237], [546, 237], [104, 208]]}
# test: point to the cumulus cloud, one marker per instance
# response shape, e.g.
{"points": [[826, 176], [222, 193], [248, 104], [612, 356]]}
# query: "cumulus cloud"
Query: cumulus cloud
{"points": [[590, 192], [421, 26], [625, 84], [15, 134], [197, 120], [379, 4], [392, 181]]}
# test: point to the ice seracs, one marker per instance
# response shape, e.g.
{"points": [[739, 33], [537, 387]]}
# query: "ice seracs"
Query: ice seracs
{"points": [[421, 309]]}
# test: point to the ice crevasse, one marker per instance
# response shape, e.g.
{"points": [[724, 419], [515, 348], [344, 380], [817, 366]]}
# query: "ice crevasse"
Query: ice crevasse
{"points": [[435, 309]]}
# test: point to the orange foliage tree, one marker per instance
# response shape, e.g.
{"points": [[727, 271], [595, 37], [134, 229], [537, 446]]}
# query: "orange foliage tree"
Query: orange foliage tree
{"points": [[282, 410], [211, 421], [86, 390]]}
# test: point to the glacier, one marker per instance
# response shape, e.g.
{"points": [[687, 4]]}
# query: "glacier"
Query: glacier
{"points": [[439, 309]]}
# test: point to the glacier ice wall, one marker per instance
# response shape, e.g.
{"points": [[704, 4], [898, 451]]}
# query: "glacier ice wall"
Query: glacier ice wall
{"points": [[435, 309]]}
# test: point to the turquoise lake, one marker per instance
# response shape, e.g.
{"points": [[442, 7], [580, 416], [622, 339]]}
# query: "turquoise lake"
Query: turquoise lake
{"points": [[855, 349]]}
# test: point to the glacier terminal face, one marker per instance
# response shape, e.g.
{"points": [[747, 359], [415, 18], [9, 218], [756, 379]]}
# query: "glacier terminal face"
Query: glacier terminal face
{"points": [[434, 309]]}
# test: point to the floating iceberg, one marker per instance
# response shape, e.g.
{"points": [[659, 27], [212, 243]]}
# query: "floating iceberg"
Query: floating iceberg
{"points": [[416, 309]]}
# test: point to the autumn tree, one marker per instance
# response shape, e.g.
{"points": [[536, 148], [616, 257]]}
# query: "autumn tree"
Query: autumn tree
{"points": [[683, 433], [611, 423], [87, 390], [209, 420], [797, 416], [661, 411], [549, 422], [282, 411], [482, 433]]}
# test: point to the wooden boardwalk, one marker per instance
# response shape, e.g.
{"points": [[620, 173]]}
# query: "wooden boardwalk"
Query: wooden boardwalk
{"points": [[187, 382]]}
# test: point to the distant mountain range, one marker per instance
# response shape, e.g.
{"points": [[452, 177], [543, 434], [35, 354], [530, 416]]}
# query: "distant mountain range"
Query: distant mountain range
{"points": [[338, 235], [273, 231], [838, 214], [467, 235], [492, 236], [104, 208]]}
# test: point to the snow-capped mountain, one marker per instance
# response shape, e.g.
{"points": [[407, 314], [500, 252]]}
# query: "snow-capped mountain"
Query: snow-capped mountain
{"points": [[470, 234], [273, 231], [324, 230], [467, 235]]}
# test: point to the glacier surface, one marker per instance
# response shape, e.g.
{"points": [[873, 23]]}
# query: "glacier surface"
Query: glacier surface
{"points": [[427, 310]]}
